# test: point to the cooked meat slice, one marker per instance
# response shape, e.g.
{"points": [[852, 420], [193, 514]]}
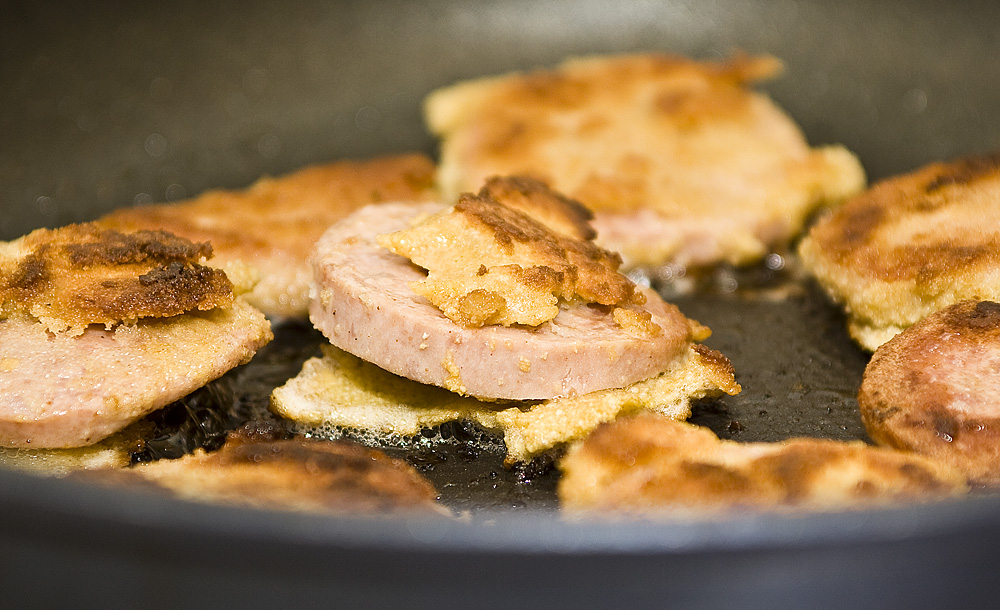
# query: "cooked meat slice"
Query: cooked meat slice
{"points": [[649, 465], [61, 391], [365, 306], [78, 275], [265, 233], [291, 474], [490, 262], [910, 246], [680, 160], [935, 389], [341, 392]]}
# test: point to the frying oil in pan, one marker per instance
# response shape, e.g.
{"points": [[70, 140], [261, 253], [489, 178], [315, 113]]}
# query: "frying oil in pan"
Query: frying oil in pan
{"points": [[799, 370]]}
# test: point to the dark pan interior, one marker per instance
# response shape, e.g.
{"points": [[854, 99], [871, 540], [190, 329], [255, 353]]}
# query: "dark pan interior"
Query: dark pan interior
{"points": [[110, 104]]}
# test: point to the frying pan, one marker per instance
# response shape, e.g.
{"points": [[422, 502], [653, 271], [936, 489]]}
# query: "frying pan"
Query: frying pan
{"points": [[114, 103]]}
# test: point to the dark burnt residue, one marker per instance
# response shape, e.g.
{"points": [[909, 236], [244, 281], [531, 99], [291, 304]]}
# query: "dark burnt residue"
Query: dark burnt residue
{"points": [[985, 314]]}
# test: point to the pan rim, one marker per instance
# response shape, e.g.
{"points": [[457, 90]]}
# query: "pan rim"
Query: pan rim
{"points": [[33, 506]]}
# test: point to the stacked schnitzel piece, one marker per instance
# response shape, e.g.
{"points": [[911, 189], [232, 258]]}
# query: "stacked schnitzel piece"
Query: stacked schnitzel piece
{"points": [[587, 346]]}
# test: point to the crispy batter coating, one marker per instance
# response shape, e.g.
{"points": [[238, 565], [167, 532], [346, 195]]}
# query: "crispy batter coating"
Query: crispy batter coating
{"points": [[340, 391], [511, 255], [649, 465], [934, 389], [288, 474], [74, 276], [680, 160], [911, 245], [265, 233]]}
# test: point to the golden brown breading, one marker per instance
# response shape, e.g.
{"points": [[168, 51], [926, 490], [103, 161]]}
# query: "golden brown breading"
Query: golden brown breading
{"points": [[340, 391], [78, 275], [680, 160], [267, 231], [292, 474], [492, 260], [933, 389], [911, 245], [649, 465]]}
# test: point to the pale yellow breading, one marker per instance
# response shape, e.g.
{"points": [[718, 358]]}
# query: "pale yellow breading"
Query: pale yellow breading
{"points": [[911, 245], [651, 466], [491, 261], [112, 452], [341, 391], [680, 160]]}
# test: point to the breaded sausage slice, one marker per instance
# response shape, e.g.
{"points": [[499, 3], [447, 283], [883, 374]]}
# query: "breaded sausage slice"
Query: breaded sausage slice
{"points": [[367, 305], [680, 160], [263, 235], [99, 328], [647, 465], [934, 389], [911, 245]]}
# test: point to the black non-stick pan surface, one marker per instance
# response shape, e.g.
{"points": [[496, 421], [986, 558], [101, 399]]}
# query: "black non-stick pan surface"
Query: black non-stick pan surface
{"points": [[110, 104]]}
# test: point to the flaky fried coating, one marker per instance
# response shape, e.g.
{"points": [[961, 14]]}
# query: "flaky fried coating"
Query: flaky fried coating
{"points": [[74, 276], [511, 255], [340, 391]]}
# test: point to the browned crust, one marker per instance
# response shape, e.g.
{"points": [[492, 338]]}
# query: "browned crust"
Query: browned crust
{"points": [[851, 238], [646, 464], [911, 245], [932, 390], [543, 91], [582, 267], [290, 474], [82, 274], [553, 209]]}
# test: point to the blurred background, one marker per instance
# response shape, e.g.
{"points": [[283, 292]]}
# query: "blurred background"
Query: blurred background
{"points": [[114, 103]]}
